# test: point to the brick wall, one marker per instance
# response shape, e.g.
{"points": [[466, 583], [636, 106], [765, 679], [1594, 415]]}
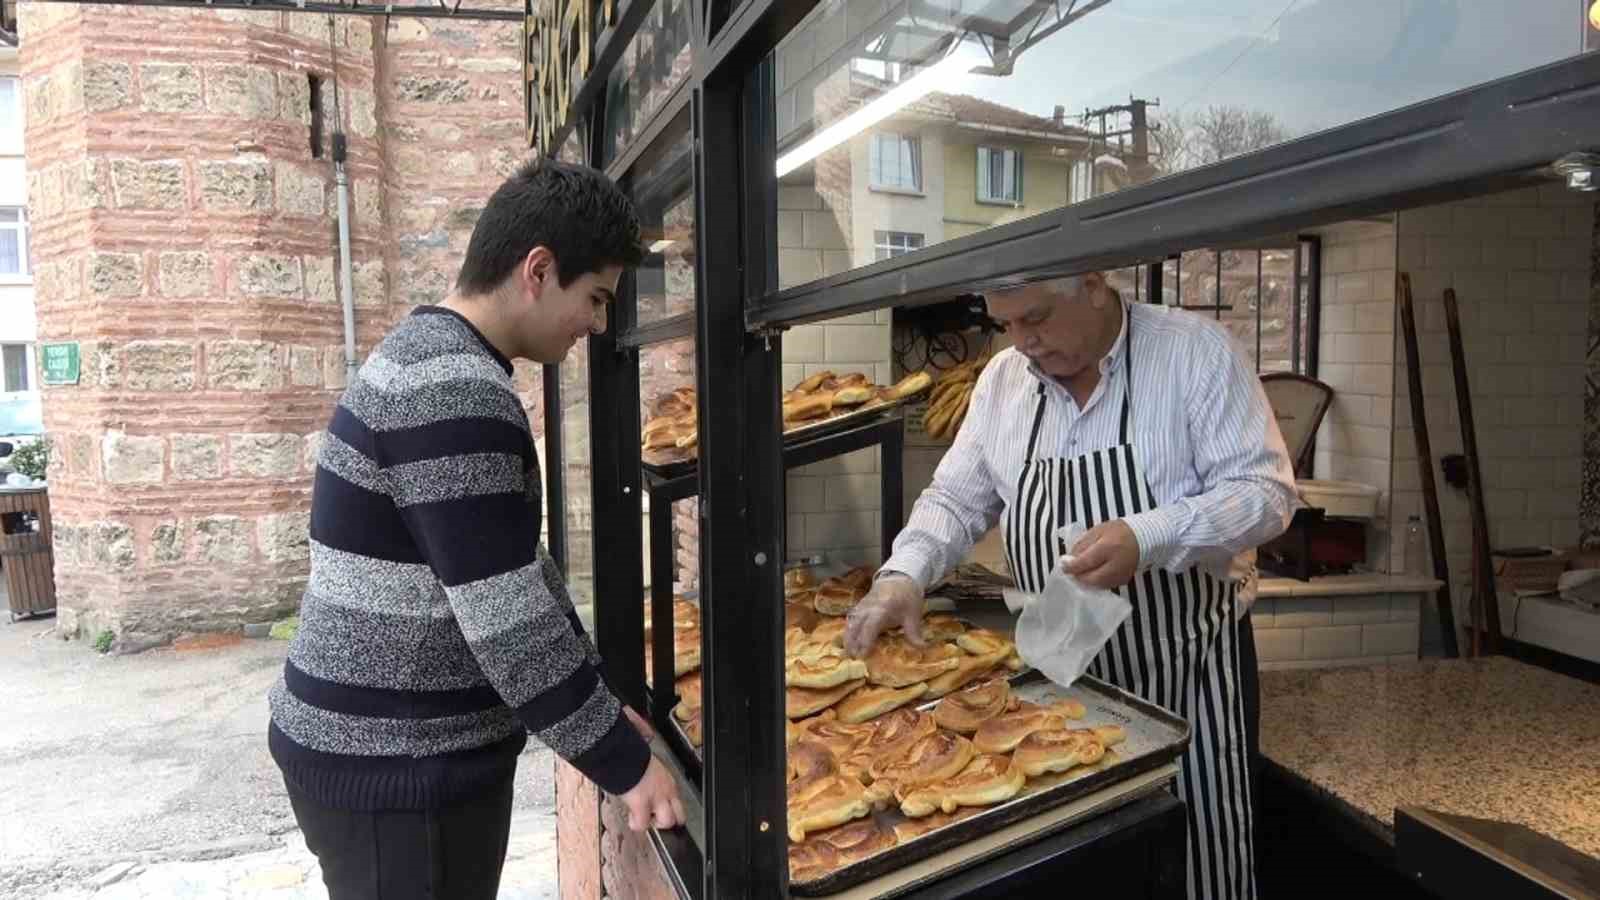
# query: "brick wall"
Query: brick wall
{"points": [[1519, 264], [1357, 358], [1313, 632], [184, 234]]}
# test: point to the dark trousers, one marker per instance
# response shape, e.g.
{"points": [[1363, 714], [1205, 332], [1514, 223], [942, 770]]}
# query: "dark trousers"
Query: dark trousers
{"points": [[453, 853], [1250, 683]]}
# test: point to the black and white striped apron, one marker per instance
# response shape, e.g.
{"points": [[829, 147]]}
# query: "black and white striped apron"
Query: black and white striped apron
{"points": [[1178, 649]]}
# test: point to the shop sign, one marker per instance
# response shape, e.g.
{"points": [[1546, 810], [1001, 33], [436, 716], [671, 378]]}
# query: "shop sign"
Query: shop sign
{"points": [[558, 45], [59, 362]]}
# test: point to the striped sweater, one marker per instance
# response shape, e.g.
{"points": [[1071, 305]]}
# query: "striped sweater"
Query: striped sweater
{"points": [[435, 631]]}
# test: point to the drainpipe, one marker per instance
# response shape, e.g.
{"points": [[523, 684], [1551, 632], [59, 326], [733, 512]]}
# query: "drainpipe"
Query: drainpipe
{"points": [[346, 274]]}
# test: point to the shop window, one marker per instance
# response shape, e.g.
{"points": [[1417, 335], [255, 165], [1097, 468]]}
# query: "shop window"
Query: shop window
{"points": [[15, 358], [999, 175], [1257, 296], [889, 244], [13, 241], [663, 194], [652, 66], [896, 162], [1157, 90]]}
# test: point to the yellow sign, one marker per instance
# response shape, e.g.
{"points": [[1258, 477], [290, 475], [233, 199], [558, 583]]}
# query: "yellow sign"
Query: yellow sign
{"points": [[558, 39]]}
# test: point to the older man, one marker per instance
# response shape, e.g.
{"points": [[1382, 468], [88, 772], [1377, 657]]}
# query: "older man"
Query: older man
{"points": [[1144, 425]]}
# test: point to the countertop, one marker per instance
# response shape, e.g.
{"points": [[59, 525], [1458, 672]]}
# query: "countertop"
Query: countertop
{"points": [[1365, 583], [1492, 738]]}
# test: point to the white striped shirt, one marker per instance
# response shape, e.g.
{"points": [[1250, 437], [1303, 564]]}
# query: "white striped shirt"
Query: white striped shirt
{"points": [[1202, 432]]}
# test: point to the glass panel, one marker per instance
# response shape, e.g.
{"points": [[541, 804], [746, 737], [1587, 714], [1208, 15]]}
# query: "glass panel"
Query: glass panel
{"points": [[666, 390], [1277, 311], [664, 195], [572, 148], [1155, 86], [652, 66], [11, 250], [1238, 298], [16, 366], [578, 474], [1197, 280]]}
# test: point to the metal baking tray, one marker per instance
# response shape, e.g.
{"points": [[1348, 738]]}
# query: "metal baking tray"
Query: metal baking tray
{"points": [[1155, 737], [673, 463]]}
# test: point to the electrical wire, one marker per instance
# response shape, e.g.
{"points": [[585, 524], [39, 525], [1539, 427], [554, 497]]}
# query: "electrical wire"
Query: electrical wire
{"points": [[1229, 67]]}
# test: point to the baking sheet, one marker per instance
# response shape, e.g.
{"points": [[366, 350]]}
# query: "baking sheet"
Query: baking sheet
{"points": [[673, 463], [1155, 737]]}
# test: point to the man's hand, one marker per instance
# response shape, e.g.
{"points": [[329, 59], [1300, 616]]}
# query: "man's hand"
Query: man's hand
{"points": [[894, 600], [640, 722], [653, 802], [1106, 556]]}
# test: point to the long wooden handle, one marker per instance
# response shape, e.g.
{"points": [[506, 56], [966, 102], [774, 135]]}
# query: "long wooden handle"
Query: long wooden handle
{"points": [[1430, 491], [1483, 569]]}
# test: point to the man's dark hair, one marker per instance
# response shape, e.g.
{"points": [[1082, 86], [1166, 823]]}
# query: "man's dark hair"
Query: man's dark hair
{"points": [[575, 212]]}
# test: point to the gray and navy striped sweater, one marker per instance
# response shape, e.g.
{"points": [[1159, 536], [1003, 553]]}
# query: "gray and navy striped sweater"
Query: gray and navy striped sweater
{"points": [[436, 631]]}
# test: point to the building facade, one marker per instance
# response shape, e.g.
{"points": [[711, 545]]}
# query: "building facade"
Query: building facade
{"points": [[184, 234]]}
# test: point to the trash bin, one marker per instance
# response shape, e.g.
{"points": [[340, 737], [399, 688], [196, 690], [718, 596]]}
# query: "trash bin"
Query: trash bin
{"points": [[25, 552]]}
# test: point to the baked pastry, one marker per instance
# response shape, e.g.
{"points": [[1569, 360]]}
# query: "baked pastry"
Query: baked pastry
{"points": [[828, 851], [964, 711], [895, 662], [942, 627], [1014, 661], [830, 631], [812, 860], [824, 671], [797, 581], [677, 403], [685, 650], [969, 670], [813, 382], [843, 740], [1004, 732], [798, 613], [891, 736], [823, 802], [1057, 750], [692, 730], [801, 702], [688, 688], [909, 386], [985, 781], [983, 642], [871, 702], [809, 759], [837, 596], [806, 407], [797, 645], [854, 395], [930, 759], [911, 829]]}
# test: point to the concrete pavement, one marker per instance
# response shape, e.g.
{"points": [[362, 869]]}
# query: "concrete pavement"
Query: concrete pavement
{"points": [[156, 765]]}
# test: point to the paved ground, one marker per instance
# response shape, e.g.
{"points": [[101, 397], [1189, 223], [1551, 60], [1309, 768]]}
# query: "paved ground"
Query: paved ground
{"points": [[156, 765]]}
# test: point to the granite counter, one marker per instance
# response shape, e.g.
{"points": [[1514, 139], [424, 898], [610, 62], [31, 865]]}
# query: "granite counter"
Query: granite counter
{"points": [[1492, 738]]}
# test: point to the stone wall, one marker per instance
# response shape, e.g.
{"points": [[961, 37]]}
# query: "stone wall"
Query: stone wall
{"points": [[185, 236]]}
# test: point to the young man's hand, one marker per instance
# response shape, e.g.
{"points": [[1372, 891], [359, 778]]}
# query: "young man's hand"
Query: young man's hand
{"points": [[653, 802], [641, 723]]}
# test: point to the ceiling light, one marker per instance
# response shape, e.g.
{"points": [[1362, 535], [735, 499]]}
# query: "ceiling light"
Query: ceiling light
{"points": [[1594, 14], [942, 75], [661, 245]]}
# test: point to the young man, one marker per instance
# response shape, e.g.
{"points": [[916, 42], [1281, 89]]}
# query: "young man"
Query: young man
{"points": [[436, 631]]}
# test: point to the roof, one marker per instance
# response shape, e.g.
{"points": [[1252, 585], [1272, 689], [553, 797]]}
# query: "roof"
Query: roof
{"points": [[968, 110]]}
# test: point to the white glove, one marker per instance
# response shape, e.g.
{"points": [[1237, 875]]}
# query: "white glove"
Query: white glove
{"points": [[894, 600]]}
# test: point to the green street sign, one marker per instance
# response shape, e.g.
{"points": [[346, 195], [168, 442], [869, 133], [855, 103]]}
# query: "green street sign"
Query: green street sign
{"points": [[60, 362]]}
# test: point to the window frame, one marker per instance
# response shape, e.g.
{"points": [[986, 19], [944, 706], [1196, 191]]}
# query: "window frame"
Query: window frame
{"points": [[903, 139], [27, 368], [24, 273], [992, 199], [885, 245]]}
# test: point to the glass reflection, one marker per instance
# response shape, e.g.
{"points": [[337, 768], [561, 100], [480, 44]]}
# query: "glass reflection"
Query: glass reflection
{"points": [[664, 196], [927, 123], [653, 65]]}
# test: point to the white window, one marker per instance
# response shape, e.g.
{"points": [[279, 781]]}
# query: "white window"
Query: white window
{"points": [[889, 244], [15, 359], [897, 161], [13, 241], [1082, 181], [999, 175], [10, 114]]}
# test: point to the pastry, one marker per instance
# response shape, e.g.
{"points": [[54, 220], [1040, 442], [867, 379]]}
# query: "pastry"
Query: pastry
{"points": [[857, 840], [890, 737], [824, 671], [843, 740], [847, 380], [971, 668], [813, 383], [1004, 732], [872, 702], [809, 406], [1057, 750], [812, 860], [801, 702], [942, 627], [836, 598], [854, 395], [691, 730], [823, 802], [985, 781], [930, 759], [688, 688], [983, 642], [801, 615], [909, 386], [810, 759], [797, 581], [797, 645], [964, 711], [895, 662], [1014, 661], [830, 631], [911, 829], [685, 650]]}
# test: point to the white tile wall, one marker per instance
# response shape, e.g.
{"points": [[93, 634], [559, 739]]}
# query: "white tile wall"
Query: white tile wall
{"points": [[1313, 632]]}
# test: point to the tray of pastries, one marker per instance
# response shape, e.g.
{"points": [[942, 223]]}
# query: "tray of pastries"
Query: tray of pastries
{"points": [[822, 403], [914, 751]]}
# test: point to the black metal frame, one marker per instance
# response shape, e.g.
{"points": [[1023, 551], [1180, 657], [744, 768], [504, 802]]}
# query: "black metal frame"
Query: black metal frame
{"points": [[1491, 136]]}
